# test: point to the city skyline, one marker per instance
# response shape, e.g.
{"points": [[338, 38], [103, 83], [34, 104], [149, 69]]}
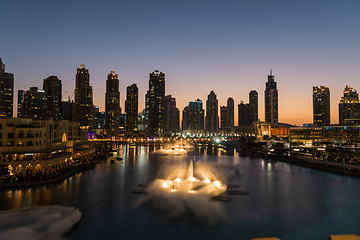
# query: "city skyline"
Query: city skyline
{"points": [[228, 48]]}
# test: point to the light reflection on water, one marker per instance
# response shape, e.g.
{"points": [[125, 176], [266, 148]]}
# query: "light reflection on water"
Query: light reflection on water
{"points": [[284, 201]]}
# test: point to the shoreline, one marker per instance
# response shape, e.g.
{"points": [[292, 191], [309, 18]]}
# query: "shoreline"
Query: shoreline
{"points": [[335, 167], [48, 181]]}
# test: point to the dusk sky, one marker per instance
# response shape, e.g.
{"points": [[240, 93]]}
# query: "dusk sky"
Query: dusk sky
{"points": [[225, 46]]}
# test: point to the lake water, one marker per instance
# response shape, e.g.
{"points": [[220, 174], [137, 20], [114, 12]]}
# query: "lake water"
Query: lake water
{"points": [[284, 201]]}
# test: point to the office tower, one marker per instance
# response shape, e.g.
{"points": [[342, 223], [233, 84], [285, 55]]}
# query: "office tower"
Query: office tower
{"points": [[212, 117], [6, 91], [35, 104], [21, 95], [156, 96], [67, 107], [185, 125], [230, 113], [223, 117], [112, 104], [131, 108], [253, 101], [349, 106], [321, 106], [146, 111], [244, 113], [100, 121], [196, 115], [53, 89], [172, 115], [84, 108], [271, 100]]}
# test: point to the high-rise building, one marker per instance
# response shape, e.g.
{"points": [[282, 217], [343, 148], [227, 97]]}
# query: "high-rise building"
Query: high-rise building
{"points": [[53, 88], [67, 107], [193, 116], [6, 91], [172, 115], [248, 112], [197, 114], [84, 107], [35, 104], [156, 96], [230, 113], [321, 106], [349, 106], [253, 101], [212, 116], [131, 108], [185, 122], [271, 100], [21, 95], [223, 117], [244, 113], [100, 121], [112, 104]]}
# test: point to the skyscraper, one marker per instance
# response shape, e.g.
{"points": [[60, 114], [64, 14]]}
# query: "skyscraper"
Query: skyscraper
{"points": [[253, 101], [223, 117], [197, 115], [321, 106], [193, 116], [230, 113], [112, 104], [53, 89], [6, 91], [349, 106], [67, 111], [84, 108], [35, 104], [185, 122], [212, 117], [271, 100], [172, 115], [21, 95], [244, 113], [131, 108], [156, 96], [248, 112]]}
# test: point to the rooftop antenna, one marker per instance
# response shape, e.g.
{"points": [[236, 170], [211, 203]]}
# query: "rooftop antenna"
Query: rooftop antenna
{"points": [[270, 72]]}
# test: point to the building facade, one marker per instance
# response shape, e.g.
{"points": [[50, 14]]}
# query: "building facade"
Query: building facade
{"points": [[83, 108], [53, 89], [212, 116], [131, 108], [223, 117], [271, 100], [321, 106], [35, 104], [6, 91], [112, 104], [230, 113], [156, 96], [349, 106], [254, 109], [172, 115]]}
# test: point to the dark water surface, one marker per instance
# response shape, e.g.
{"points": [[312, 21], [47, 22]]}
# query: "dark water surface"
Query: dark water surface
{"points": [[284, 201]]}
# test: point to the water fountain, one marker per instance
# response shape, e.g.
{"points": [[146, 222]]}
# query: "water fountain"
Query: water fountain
{"points": [[175, 150]]}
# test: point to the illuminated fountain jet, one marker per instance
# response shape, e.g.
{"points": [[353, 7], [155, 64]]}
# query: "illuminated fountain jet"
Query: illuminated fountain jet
{"points": [[182, 180]]}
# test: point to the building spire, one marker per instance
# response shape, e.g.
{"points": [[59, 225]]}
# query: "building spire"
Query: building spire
{"points": [[270, 72]]}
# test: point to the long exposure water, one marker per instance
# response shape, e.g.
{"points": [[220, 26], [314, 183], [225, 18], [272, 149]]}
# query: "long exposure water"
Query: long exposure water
{"points": [[284, 201]]}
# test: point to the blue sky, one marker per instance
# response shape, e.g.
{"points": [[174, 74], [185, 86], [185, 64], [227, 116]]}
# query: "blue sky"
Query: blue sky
{"points": [[225, 46]]}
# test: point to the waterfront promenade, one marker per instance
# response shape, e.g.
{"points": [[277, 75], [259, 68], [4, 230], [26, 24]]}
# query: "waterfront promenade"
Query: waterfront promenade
{"points": [[336, 167], [25, 182]]}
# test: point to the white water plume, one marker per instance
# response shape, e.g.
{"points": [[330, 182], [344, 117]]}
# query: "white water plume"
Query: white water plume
{"points": [[32, 223], [186, 193]]}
